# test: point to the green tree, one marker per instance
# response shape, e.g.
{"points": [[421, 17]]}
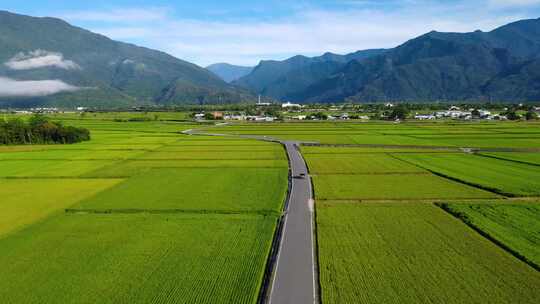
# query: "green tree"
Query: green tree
{"points": [[512, 115], [531, 115], [320, 116], [399, 112]]}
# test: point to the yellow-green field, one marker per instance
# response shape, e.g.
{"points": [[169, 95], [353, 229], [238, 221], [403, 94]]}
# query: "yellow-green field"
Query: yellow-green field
{"points": [[139, 214], [380, 237], [142, 213]]}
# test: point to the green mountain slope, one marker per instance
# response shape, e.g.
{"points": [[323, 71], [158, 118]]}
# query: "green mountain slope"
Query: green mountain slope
{"points": [[437, 66], [282, 79], [103, 72]]}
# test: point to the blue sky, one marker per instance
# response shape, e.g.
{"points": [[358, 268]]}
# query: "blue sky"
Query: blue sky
{"points": [[244, 32]]}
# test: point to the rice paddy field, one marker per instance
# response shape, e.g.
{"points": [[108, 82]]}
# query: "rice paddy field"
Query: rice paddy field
{"points": [[515, 226], [381, 233], [416, 212], [139, 214], [414, 253]]}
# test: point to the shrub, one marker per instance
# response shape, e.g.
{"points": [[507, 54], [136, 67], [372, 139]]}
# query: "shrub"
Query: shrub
{"points": [[39, 130]]}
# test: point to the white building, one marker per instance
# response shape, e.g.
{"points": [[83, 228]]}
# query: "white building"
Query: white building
{"points": [[425, 117], [290, 105]]}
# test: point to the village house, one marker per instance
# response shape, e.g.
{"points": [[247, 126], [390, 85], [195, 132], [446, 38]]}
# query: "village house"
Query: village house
{"points": [[217, 115], [425, 116], [290, 105]]}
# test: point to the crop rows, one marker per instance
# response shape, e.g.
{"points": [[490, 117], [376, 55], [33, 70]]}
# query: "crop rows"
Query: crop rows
{"points": [[504, 177], [206, 214], [413, 253], [514, 226], [136, 259]]}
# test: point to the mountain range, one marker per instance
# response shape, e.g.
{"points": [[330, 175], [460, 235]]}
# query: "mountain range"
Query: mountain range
{"points": [[229, 72], [500, 65], [46, 61]]}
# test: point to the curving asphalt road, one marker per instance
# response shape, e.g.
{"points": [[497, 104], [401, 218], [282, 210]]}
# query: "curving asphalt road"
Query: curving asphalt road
{"points": [[294, 278]]}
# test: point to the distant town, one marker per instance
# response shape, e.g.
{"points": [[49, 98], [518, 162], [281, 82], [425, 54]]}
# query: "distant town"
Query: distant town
{"points": [[270, 112]]}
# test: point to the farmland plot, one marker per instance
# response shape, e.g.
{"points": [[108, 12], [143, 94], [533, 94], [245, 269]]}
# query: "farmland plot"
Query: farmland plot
{"points": [[49, 168], [130, 168], [72, 155], [517, 226], [214, 155], [358, 163], [206, 189], [505, 177], [360, 150], [483, 141], [136, 258], [529, 158], [414, 253], [392, 187], [25, 201]]}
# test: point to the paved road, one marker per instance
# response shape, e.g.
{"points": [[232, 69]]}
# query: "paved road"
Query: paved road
{"points": [[294, 278]]}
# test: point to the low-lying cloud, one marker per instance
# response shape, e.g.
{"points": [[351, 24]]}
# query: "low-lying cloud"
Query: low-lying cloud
{"points": [[33, 88], [40, 59]]}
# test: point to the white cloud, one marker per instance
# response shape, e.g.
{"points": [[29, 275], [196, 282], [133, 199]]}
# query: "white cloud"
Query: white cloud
{"points": [[308, 31], [40, 59], [513, 3], [119, 15], [33, 88]]}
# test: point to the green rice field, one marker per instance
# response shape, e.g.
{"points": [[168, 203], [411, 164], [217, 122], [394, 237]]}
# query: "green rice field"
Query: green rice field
{"points": [[392, 187], [364, 163], [501, 176], [142, 213], [516, 226], [136, 258], [202, 189], [526, 158], [139, 214], [413, 253]]}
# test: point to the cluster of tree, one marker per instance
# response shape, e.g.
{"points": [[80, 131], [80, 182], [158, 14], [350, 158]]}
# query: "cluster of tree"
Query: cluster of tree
{"points": [[400, 112], [512, 115], [40, 130]]}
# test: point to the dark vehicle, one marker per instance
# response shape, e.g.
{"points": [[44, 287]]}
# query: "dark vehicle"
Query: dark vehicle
{"points": [[300, 176]]}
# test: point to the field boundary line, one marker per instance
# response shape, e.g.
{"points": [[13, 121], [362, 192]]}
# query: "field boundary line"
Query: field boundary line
{"points": [[464, 219], [507, 159], [361, 201], [171, 211], [372, 173], [66, 177], [442, 148], [478, 186]]}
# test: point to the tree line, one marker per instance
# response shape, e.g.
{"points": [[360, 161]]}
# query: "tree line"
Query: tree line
{"points": [[39, 130]]}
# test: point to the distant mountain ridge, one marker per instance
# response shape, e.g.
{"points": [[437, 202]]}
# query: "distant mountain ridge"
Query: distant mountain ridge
{"points": [[46, 61], [229, 72], [282, 79], [500, 65]]}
